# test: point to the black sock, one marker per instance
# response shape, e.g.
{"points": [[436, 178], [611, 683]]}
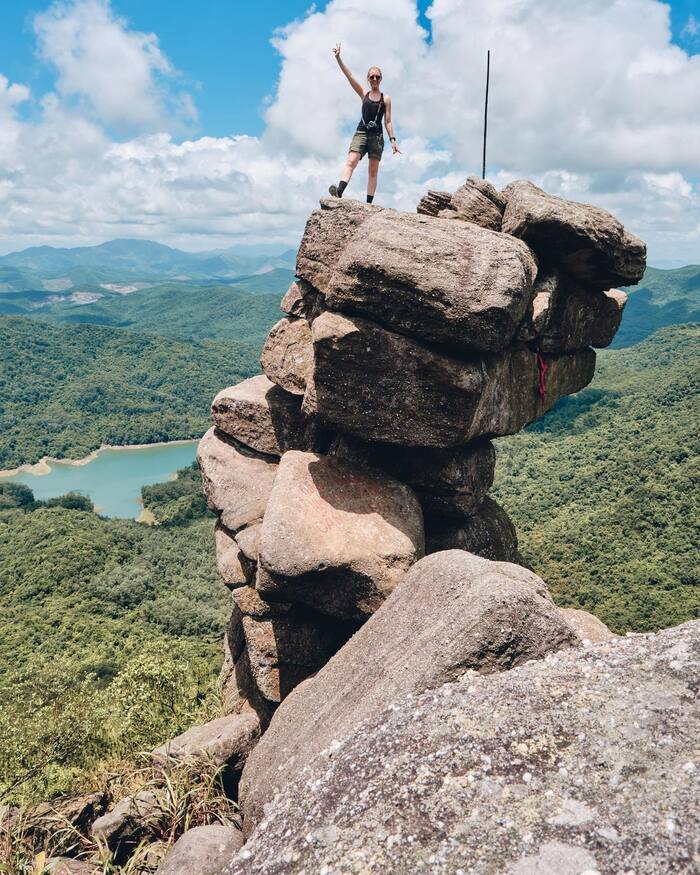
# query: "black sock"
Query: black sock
{"points": [[370, 198], [342, 185]]}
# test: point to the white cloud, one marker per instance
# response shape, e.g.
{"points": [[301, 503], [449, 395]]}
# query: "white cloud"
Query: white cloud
{"points": [[591, 100], [691, 28], [115, 72]]}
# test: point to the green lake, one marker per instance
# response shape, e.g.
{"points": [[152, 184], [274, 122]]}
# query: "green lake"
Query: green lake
{"points": [[112, 480]]}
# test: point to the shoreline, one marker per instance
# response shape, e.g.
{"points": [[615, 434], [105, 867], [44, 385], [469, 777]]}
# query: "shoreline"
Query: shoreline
{"points": [[43, 466]]}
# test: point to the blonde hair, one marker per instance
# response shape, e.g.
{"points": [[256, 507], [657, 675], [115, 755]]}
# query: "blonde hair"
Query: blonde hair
{"points": [[378, 69]]}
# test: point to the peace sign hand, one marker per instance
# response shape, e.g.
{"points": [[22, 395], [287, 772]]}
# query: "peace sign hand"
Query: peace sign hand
{"points": [[336, 51]]}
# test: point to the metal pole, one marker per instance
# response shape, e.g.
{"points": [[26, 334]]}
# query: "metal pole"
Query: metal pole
{"points": [[486, 111]]}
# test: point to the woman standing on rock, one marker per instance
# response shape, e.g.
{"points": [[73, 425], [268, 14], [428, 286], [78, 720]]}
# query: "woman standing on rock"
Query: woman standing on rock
{"points": [[368, 138]]}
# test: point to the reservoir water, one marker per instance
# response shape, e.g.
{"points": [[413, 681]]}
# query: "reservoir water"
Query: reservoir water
{"points": [[112, 480]]}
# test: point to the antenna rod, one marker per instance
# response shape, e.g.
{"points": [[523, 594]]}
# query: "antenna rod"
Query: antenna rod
{"points": [[486, 111]]}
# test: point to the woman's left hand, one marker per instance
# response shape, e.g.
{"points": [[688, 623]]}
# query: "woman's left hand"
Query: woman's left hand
{"points": [[394, 148]]}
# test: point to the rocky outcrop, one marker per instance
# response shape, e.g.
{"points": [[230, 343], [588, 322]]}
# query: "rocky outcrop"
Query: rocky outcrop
{"points": [[409, 343], [225, 741], [452, 612], [203, 850], [585, 761]]}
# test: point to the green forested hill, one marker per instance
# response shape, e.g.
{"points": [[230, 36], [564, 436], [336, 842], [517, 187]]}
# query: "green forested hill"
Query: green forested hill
{"points": [[184, 312], [64, 390], [662, 298], [604, 490]]}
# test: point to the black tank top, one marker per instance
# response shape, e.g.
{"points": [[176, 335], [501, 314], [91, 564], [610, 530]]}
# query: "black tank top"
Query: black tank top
{"points": [[372, 110]]}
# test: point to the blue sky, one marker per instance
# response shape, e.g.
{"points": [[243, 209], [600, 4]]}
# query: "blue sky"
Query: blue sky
{"points": [[214, 124]]}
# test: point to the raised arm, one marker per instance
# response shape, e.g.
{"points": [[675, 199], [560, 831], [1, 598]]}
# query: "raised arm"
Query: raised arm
{"points": [[348, 73]]}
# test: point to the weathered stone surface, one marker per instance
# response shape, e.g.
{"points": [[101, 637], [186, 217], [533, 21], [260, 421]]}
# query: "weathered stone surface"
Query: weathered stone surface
{"points": [[445, 282], [381, 386], [452, 612], [490, 191], [234, 630], [248, 540], [287, 647], [585, 761], [261, 415], [450, 482], [432, 202], [251, 603], [229, 562], [585, 241], [69, 866], [287, 355], [565, 316], [587, 626], [336, 538], [488, 533], [130, 819], [301, 299], [225, 741], [327, 232], [236, 480], [203, 850], [472, 205]]}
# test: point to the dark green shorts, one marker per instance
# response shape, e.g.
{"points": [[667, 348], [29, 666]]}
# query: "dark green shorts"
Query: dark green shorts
{"points": [[368, 144]]}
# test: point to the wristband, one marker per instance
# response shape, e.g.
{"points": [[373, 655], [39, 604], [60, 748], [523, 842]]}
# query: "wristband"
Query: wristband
{"points": [[392, 139]]}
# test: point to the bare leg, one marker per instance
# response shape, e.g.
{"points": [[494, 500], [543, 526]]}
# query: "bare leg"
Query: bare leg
{"points": [[372, 173], [350, 165]]}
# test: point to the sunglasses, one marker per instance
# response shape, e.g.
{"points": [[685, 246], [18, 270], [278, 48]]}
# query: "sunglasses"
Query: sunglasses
{"points": [[374, 77]]}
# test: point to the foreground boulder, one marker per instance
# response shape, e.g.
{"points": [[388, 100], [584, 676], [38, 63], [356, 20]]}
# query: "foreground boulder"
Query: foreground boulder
{"points": [[445, 282], [582, 762], [203, 850], [335, 538], [586, 241], [225, 741], [382, 386], [452, 612], [236, 480]]}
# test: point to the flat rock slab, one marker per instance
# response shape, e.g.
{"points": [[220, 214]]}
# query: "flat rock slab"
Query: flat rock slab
{"points": [[446, 282], [236, 480], [225, 741], [261, 415], [433, 202], [452, 612], [203, 850], [582, 762], [287, 354], [587, 242], [451, 482], [489, 533], [336, 538], [381, 386]]}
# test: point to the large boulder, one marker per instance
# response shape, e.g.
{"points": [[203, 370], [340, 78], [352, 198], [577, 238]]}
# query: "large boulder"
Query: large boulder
{"points": [[452, 612], [565, 316], [587, 626], [224, 741], [236, 480], [202, 850], [472, 204], [382, 386], [585, 241], [451, 482], [287, 354], [583, 762], [451, 283], [488, 532], [261, 415], [336, 538], [129, 821]]}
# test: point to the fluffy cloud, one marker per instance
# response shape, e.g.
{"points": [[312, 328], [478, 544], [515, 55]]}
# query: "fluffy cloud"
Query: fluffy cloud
{"points": [[116, 73], [591, 100]]}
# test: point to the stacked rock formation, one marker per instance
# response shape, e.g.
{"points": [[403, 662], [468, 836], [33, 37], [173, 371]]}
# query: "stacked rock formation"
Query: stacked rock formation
{"points": [[409, 342]]}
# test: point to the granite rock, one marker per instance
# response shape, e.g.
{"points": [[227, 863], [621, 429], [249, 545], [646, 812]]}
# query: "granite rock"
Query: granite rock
{"points": [[488, 532], [287, 354]]}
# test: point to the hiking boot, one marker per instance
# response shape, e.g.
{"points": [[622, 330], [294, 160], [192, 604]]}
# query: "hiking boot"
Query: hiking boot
{"points": [[333, 190]]}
